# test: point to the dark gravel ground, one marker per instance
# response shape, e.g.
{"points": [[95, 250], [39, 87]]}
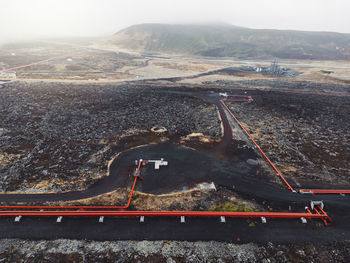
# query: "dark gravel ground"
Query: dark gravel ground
{"points": [[307, 136], [64, 250], [58, 132], [70, 116], [283, 84]]}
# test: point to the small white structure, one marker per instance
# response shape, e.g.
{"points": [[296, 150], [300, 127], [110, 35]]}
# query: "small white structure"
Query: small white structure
{"points": [[222, 219], [137, 173], [100, 220], [263, 220], [142, 219], [316, 203], [17, 219], [59, 219], [8, 74], [207, 186], [303, 220], [223, 94], [158, 163], [69, 59], [182, 219]]}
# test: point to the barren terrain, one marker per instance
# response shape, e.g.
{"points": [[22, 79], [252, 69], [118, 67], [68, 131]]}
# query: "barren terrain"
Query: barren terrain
{"points": [[57, 137], [304, 134], [81, 119]]}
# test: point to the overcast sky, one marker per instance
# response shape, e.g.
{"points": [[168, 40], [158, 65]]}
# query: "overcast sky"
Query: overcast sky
{"points": [[20, 19]]}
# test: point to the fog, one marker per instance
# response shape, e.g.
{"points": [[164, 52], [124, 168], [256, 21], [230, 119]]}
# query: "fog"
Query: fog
{"points": [[28, 19]]}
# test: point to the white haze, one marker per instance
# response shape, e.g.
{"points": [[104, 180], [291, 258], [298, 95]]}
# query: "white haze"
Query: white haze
{"points": [[28, 19]]}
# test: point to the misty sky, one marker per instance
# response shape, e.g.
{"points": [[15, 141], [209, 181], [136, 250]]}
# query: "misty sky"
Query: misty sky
{"points": [[21, 19]]}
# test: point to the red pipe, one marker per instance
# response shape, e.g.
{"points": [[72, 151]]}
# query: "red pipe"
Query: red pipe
{"points": [[319, 207], [241, 96], [324, 191], [313, 191], [258, 147], [169, 213], [130, 196], [318, 213], [81, 212], [162, 213], [132, 188], [239, 100], [78, 207], [249, 98]]}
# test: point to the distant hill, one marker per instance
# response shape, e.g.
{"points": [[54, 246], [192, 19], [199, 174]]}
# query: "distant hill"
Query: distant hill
{"points": [[233, 41]]}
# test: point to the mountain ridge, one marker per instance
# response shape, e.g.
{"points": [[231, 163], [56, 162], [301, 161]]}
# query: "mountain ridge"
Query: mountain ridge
{"points": [[215, 40]]}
